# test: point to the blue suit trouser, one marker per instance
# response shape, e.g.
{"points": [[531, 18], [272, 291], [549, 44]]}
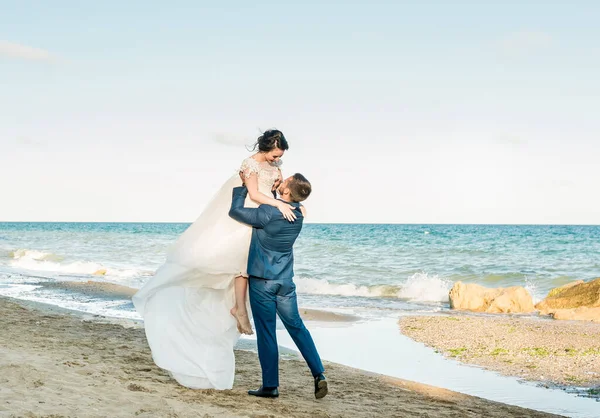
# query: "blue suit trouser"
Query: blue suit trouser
{"points": [[268, 298]]}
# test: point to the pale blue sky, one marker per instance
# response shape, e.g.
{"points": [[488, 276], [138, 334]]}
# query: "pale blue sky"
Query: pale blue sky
{"points": [[416, 112]]}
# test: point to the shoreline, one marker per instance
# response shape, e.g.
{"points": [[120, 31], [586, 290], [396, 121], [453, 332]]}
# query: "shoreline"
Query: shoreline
{"points": [[553, 354], [113, 291], [56, 361]]}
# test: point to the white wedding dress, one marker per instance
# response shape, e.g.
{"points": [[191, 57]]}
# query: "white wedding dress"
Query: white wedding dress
{"points": [[186, 304]]}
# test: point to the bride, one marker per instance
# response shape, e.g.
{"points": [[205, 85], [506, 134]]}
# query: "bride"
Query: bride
{"points": [[194, 307]]}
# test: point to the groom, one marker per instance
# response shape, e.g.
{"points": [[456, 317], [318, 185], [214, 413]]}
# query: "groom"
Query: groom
{"points": [[272, 290]]}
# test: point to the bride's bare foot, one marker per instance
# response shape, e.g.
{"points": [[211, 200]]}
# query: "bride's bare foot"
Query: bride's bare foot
{"points": [[243, 322]]}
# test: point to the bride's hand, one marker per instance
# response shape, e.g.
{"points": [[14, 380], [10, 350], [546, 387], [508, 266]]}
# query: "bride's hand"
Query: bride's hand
{"points": [[286, 211]]}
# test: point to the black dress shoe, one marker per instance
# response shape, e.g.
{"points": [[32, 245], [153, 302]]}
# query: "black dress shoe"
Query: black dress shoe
{"points": [[265, 392], [320, 386]]}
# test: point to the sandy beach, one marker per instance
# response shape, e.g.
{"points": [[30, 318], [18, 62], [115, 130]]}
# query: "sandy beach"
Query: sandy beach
{"points": [[556, 353], [64, 364]]}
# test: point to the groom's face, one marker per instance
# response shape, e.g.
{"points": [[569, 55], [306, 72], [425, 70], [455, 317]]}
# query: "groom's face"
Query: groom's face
{"points": [[284, 185]]}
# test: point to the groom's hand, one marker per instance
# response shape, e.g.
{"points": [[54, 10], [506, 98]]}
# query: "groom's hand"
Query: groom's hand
{"points": [[276, 185], [274, 188], [243, 178]]}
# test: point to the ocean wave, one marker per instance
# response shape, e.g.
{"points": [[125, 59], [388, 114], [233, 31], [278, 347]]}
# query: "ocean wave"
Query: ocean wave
{"points": [[420, 287], [425, 288], [325, 287], [36, 260], [33, 255]]}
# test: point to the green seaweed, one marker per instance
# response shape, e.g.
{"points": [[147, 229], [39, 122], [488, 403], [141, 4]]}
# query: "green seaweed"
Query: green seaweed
{"points": [[594, 391], [498, 351], [537, 351], [455, 352], [574, 379]]}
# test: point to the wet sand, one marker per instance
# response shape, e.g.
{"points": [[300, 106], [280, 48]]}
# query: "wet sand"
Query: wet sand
{"points": [[61, 364], [92, 289]]}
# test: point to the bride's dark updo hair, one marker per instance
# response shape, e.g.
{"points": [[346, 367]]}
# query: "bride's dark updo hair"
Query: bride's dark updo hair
{"points": [[270, 140]]}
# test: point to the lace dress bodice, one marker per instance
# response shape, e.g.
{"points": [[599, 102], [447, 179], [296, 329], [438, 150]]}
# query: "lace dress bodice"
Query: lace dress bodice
{"points": [[267, 173]]}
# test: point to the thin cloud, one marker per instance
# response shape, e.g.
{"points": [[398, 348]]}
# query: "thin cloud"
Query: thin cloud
{"points": [[523, 42], [24, 52]]}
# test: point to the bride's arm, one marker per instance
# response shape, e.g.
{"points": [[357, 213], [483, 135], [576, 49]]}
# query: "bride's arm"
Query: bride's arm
{"points": [[262, 199]]}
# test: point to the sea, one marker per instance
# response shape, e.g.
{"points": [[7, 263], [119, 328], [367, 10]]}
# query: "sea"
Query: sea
{"points": [[371, 270]]}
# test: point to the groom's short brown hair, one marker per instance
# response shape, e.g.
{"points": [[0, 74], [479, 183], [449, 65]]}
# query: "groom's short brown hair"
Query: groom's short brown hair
{"points": [[300, 188]]}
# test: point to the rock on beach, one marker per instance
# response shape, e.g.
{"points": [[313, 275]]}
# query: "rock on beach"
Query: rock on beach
{"points": [[473, 297]]}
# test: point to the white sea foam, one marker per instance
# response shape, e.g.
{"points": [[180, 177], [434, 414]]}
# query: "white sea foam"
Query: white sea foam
{"points": [[422, 287], [36, 260], [325, 287], [419, 287], [531, 287], [108, 308]]}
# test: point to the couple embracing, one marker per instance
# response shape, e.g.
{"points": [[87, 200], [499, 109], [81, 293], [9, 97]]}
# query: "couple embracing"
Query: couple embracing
{"points": [[194, 307]]}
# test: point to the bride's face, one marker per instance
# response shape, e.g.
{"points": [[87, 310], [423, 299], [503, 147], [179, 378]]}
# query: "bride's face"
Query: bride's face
{"points": [[274, 155]]}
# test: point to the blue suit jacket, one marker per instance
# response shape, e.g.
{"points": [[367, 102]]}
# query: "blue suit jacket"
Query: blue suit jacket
{"points": [[271, 254]]}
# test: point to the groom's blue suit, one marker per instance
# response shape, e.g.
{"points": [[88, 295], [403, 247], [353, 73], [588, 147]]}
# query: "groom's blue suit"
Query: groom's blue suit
{"points": [[271, 269]]}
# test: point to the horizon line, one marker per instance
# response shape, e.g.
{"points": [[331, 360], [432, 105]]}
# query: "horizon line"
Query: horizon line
{"points": [[306, 223]]}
